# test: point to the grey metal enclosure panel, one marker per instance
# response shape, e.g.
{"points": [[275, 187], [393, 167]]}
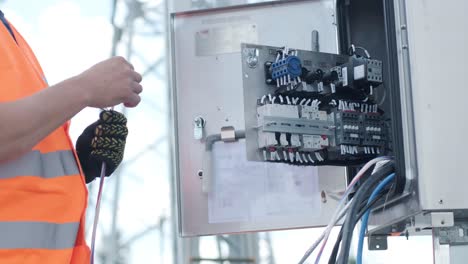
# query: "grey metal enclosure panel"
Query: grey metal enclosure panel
{"points": [[207, 82], [437, 44]]}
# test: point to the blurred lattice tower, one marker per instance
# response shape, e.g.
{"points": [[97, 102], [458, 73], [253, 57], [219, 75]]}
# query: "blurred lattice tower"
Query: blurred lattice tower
{"points": [[135, 23], [123, 253]]}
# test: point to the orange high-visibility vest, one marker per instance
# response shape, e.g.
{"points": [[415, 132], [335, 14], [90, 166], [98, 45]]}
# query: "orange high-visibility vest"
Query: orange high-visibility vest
{"points": [[43, 194]]}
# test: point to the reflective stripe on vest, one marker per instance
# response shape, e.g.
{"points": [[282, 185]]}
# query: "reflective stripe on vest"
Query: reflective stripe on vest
{"points": [[35, 163], [28, 235]]}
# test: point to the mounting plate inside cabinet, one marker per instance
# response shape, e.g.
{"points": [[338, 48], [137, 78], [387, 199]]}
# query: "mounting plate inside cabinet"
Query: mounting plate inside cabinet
{"points": [[311, 108]]}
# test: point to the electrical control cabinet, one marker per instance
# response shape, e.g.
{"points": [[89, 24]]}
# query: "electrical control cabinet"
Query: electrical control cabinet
{"points": [[260, 103]]}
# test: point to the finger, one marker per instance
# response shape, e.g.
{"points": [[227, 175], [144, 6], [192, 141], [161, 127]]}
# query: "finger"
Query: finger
{"points": [[137, 77], [137, 88], [107, 143], [132, 101], [124, 61], [111, 130]]}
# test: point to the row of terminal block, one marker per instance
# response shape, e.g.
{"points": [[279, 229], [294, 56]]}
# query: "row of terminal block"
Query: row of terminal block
{"points": [[297, 130]]}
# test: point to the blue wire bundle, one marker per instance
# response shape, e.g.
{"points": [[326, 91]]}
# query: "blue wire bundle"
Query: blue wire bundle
{"points": [[365, 218]]}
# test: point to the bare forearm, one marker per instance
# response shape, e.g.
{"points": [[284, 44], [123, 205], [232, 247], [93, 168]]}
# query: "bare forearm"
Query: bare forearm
{"points": [[27, 121]]}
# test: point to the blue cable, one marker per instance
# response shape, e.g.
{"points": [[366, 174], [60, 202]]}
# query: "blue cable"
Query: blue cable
{"points": [[365, 218]]}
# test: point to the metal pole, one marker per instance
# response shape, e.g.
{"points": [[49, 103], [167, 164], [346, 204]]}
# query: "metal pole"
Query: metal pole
{"points": [[117, 31], [271, 257], [218, 245], [179, 246]]}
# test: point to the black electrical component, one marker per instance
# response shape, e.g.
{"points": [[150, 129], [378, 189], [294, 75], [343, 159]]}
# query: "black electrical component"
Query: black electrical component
{"points": [[312, 76], [331, 76], [362, 73]]}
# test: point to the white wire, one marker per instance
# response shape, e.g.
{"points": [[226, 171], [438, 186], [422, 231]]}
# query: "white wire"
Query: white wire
{"points": [[97, 211], [348, 191], [298, 157], [336, 216], [98, 207], [341, 214]]}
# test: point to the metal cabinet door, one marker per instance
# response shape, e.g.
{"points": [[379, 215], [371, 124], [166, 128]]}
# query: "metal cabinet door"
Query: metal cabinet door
{"points": [[207, 81], [436, 46]]}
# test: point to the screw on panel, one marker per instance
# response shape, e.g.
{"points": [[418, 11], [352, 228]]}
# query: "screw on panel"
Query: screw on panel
{"points": [[200, 173], [252, 61], [441, 201]]}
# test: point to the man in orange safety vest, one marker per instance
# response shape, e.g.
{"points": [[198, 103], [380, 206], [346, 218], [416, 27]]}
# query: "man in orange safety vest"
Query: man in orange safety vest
{"points": [[43, 194]]}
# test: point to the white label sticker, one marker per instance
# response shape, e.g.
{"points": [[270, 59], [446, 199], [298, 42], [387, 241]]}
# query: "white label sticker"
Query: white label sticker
{"points": [[344, 72], [359, 72], [320, 86], [222, 40]]}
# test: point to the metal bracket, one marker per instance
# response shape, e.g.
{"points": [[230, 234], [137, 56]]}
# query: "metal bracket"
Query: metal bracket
{"points": [[377, 242], [228, 134], [455, 235], [442, 219], [198, 127]]}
